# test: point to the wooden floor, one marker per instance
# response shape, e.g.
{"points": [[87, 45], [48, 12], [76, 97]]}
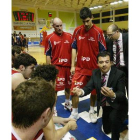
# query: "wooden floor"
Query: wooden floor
{"points": [[38, 53]]}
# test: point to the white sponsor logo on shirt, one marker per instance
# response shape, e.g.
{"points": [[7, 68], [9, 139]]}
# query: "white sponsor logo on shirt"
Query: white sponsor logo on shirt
{"points": [[66, 41], [60, 84], [56, 42], [60, 79], [85, 58], [78, 83], [80, 37], [91, 39], [63, 60]]}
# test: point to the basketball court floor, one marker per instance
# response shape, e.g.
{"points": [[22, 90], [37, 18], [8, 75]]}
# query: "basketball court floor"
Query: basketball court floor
{"points": [[86, 130]]}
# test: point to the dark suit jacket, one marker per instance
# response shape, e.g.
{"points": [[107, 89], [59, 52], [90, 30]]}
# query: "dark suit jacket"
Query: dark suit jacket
{"points": [[109, 44], [116, 81]]}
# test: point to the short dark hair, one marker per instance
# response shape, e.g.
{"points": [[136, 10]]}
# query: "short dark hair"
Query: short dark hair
{"points": [[29, 100], [24, 59], [103, 54], [48, 72], [85, 13], [16, 49]]}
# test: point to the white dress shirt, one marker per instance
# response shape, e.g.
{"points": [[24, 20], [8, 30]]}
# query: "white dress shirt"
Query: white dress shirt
{"points": [[120, 42], [106, 76]]}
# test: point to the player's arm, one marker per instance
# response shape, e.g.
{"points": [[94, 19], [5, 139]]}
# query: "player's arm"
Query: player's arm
{"points": [[61, 120], [48, 59], [51, 134], [74, 55], [48, 51], [102, 43]]}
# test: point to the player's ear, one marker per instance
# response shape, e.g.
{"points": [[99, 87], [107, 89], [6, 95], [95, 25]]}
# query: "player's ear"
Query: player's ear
{"points": [[22, 67], [45, 116], [51, 82]]}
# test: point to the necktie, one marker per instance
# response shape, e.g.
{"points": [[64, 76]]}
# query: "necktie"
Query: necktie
{"points": [[117, 55], [103, 98]]}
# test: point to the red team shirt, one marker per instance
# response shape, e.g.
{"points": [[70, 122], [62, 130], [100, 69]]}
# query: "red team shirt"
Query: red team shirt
{"points": [[39, 135], [59, 48], [14, 71], [88, 45]]}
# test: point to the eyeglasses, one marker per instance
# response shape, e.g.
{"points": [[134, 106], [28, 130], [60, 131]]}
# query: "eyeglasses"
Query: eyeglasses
{"points": [[110, 35]]}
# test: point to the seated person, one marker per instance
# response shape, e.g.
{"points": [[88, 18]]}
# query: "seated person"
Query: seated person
{"points": [[24, 64], [49, 72], [32, 108]]}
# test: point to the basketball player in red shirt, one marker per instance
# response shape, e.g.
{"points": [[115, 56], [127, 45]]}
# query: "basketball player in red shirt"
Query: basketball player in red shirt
{"points": [[23, 66], [58, 52], [88, 41], [32, 107]]}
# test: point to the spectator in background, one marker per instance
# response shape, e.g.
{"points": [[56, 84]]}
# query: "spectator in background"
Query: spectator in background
{"points": [[49, 73], [24, 65], [14, 40], [32, 108], [25, 42], [115, 40]]}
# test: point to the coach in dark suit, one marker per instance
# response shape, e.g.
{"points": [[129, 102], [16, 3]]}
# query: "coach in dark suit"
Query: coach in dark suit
{"points": [[113, 35], [116, 105]]}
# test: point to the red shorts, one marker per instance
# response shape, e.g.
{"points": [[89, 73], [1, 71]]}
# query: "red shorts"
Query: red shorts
{"points": [[80, 81], [63, 79]]}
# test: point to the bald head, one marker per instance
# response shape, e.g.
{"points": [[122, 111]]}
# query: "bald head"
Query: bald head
{"points": [[113, 27], [113, 32], [57, 25], [57, 20]]}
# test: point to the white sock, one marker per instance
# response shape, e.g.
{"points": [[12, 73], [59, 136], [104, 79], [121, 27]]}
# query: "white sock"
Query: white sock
{"points": [[67, 100], [91, 108], [75, 110]]}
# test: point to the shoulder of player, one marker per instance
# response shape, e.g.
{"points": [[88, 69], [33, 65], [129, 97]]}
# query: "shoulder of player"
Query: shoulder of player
{"points": [[17, 76], [79, 27], [49, 36], [67, 34], [97, 28]]}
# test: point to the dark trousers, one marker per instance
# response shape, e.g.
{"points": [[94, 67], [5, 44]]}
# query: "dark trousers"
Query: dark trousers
{"points": [[112, 120], [125, 70]]}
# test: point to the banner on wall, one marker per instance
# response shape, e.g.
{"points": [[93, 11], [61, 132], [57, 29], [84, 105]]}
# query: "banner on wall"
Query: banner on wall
{"points": [[24, 25]]}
